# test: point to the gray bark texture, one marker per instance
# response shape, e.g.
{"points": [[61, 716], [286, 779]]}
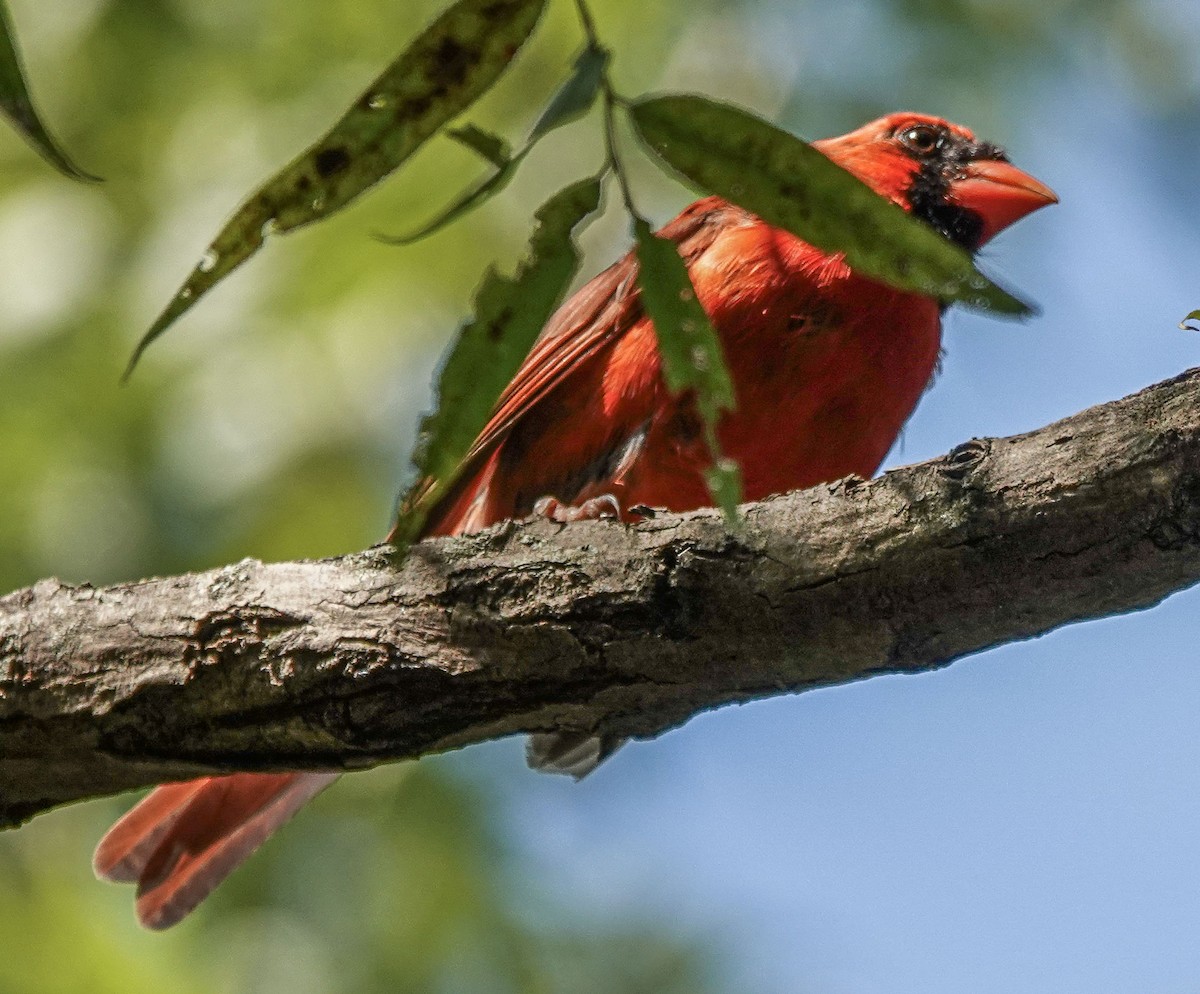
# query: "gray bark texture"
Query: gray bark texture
{"points": [[625, 629]]}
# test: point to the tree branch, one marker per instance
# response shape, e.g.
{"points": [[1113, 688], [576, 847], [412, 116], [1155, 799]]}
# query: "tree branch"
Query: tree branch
{"points": [[347, 662]]}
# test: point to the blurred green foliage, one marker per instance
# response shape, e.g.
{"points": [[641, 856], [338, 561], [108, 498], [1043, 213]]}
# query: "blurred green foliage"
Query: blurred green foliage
{"points": [[275, 421]]}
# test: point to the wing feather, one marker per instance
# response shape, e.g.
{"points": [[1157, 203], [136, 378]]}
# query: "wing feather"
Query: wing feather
{"points": [[585, 328]]}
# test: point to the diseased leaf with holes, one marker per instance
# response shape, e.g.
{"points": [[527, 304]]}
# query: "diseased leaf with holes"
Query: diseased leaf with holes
{"points": [[17, 105], [1194, 316], [576, 95], [788, 183], [691, 351], [510, 312], [449, 65]]}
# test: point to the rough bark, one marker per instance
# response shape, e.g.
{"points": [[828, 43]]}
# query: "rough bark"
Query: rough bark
{"points": [[629, 629]]}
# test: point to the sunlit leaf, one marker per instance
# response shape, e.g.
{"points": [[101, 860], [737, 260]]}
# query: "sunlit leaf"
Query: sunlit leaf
{"points": [[690, 349], [473, 198], [576, 95], [730, 152], [1194, 316], [17, 105], [491, 147], [510, 311], [449, 65]]}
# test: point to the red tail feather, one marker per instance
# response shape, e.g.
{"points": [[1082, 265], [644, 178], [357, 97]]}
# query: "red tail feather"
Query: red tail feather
{"points": [[185, 838]]}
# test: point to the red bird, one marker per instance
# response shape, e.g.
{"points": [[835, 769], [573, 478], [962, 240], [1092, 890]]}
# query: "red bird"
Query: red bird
{"points": [[827, 365]]}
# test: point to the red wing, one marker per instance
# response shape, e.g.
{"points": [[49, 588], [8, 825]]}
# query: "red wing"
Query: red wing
{"points": [[585, 327]]}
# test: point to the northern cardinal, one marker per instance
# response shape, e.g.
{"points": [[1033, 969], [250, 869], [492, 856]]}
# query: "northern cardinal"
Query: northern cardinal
{"points": [[827, 365]]}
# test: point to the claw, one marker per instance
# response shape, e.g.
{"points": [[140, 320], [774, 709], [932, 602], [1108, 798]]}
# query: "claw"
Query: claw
{"points": [[604, 507]]}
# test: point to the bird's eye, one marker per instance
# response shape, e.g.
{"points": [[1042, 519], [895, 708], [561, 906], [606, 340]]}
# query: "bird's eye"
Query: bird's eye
{"points": [[921, 138]]}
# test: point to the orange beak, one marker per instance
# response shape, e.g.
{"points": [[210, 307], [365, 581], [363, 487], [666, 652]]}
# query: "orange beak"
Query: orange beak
{"points": [[999, 193]]}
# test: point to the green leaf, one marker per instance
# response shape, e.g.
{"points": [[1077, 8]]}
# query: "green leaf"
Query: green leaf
{"points": [[724, 480], [466, 203], [510, 312], [491, 147], [446, 68], [1194, 316], [691, 351], [572, 99], [576, 95], [788, 183], [17, 105]]}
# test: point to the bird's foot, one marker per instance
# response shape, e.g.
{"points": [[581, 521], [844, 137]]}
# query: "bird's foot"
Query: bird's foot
{"points": [[604, 507]]}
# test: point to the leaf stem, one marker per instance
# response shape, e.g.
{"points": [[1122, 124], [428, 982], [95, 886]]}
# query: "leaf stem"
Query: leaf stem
{"points": [[610, 149], [589, 24], [611, 100]]}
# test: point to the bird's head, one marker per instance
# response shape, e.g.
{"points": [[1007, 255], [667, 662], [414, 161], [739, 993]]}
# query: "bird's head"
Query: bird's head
{"points": [[966, 188]]}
